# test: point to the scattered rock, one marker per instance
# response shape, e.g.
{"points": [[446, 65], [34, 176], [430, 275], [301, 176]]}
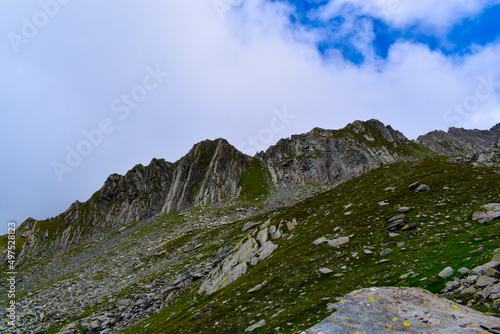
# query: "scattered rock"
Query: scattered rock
{"points": [[338, 242], [291, 225], [404, 209], [446, 272], [414, 185], [385, 252], [325, 271], [396, 222], [319, 241], [249, 225], [464, 271], [257, 287], [492, 212], [422, 188], [257, 325], [203, 313]]}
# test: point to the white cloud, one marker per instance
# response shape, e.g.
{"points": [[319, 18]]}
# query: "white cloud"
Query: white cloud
{"points": [[437, 15]]}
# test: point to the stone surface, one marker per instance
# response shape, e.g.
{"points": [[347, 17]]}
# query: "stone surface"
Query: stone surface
{"points": [[422, 188], [484, 281], [385, 252], [257, 325], [325, 271], [319, 241], [338, 242], [464, 271], [401, 310], [446, 272]]}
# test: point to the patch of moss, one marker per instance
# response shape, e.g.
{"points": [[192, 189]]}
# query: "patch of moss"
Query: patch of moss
{"points": [[253, 182]]}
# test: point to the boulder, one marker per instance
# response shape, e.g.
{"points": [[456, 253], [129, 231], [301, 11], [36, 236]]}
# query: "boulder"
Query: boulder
{"points": [[338, 242], [396, 222], [422, 188], [414, 185], [319, 241], [325, 271], [385, 252], [401, 310], [484, 281], [482, 217], [268, 248], [446, 272], [257, 325]]}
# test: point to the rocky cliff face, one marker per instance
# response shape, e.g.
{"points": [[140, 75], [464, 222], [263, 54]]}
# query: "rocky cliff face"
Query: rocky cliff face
{"points": [[459, 141], [210, 172], [329, 157]]}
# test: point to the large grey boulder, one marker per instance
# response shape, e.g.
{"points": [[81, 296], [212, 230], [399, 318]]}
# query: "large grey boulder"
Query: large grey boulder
{"points": [[401, 310], [492, 212]]}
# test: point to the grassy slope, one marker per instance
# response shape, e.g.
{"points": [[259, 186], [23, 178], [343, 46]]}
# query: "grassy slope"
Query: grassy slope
{"points": [[297, 295]]}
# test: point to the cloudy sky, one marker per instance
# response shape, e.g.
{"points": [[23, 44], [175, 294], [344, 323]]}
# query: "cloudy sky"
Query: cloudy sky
{"points": [[90, 88]]}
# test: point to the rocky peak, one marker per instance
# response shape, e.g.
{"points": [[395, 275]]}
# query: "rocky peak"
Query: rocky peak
{"points": [[496, 129], [208, 173], [460, 141], [332, 156]]}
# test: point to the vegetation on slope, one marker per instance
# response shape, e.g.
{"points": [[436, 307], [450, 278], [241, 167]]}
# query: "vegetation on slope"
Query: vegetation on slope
{"points": [[295, 295]]}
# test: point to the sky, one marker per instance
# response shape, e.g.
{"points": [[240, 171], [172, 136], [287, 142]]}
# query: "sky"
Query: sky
{"points": [[90, 88]]}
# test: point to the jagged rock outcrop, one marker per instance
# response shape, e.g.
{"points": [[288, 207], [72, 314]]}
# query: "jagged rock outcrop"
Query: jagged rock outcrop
{"points": [[206, 175], [253, 249], [398, 310], [329, 157], [488, 158], [210, 172], [459, 141], [480, 286]]}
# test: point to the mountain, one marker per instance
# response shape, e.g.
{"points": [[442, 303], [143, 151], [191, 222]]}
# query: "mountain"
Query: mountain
{"points": [[220, 242], [213, 171], [459, 141]]}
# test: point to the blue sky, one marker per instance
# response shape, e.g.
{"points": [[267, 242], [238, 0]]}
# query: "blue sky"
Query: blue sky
{"points": [[92, 88]]}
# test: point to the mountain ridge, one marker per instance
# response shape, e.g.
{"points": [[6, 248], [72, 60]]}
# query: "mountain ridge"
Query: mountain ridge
{"points": [[212, 170]]}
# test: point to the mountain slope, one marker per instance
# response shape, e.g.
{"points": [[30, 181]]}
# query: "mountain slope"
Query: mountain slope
{"points": [[287, 289]]}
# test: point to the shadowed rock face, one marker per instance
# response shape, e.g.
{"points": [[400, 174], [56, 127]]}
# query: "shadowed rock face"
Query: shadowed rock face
{"points": [[329, 157], [208, 173], [401, 310], [459, 141]]}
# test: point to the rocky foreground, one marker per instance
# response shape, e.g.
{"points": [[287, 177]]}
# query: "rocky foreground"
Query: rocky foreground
{"points": [[402, 310]]}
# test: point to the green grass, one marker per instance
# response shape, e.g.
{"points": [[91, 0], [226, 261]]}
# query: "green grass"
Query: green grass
{"points": [[297, 294], [253, 182]]}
